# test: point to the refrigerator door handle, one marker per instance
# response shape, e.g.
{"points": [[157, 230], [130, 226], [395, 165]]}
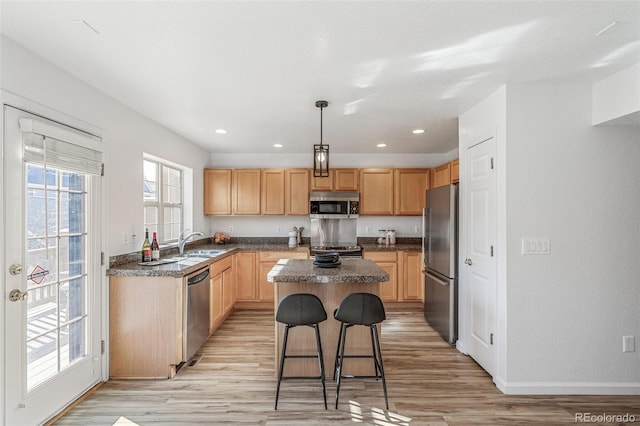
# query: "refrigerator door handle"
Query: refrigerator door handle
{"points": [[426, 238], [437, 279]]}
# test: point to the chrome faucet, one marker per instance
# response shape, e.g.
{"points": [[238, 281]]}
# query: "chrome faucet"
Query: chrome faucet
{"points": [[182, 239]]}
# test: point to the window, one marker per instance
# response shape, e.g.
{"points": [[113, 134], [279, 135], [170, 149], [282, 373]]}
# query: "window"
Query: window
{"points": [[162, 192]]}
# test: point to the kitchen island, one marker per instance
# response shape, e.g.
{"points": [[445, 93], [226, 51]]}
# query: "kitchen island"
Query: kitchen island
{"points": [[331, 285]]}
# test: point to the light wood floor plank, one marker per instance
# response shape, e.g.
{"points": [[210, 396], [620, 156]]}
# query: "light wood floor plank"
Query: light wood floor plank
{"points": [[429, 383]]}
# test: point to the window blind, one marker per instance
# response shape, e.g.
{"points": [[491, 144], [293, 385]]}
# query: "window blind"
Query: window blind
{"points": [[44, 149]]}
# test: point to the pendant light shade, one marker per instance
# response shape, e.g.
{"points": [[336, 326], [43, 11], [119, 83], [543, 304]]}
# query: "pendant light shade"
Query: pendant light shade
{"points": [[321, 151]]}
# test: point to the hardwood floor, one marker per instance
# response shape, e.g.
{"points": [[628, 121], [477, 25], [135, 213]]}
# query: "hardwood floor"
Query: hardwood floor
{"points": [[429, 383]]}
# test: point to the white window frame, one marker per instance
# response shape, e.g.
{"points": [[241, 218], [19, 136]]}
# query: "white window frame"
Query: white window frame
{"points": [[160, 204]]}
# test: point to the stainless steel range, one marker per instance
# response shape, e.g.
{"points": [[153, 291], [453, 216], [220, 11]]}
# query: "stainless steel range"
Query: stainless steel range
{"points": [[335, 231]]}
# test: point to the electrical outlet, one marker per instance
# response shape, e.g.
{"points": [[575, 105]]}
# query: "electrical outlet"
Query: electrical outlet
{"points": [[125, 238], [416, 229], [628, 344], [277, 229], [368, 229], [230, 228]]}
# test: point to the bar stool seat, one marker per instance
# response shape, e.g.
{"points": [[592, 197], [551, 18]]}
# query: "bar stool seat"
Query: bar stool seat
{"points": [[364, 309], [301, 309]]}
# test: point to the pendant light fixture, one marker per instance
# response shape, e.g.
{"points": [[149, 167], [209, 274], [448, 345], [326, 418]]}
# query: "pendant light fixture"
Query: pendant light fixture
{"points": [[321, 152]]}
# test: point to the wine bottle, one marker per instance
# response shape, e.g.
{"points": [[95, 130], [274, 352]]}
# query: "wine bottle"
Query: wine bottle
{"points": [[155, 248], [146, 247]]}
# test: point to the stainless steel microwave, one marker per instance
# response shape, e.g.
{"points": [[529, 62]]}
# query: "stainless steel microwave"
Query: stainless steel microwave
{"points": [[334, 205]]}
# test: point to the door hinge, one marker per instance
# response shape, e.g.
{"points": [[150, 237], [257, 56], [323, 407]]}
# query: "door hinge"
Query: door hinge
{"points": [[102, 169], [102, 346], [491, 251], [491, 338], [101, 258], [491, 163]]}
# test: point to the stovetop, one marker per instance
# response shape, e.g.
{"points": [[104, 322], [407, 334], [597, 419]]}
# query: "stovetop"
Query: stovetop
{"points": [[341, 250]]}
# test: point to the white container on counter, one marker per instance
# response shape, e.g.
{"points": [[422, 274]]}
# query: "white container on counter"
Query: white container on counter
{"points": [[293, 239]]}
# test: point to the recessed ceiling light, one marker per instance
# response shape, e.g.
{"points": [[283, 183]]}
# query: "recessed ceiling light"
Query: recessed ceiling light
{"points": [[221, 131], [381, 145], [277, 145], [418, 131]]}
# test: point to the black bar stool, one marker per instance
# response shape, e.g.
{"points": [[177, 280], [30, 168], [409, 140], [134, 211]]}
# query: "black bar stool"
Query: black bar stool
{"points": [[295, 310], [360, 309]]}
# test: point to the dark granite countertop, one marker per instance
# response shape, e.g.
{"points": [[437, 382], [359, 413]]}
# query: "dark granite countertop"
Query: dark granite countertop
{"points": [[351, 270], [396, 247], [127, 265], [189, 265]]}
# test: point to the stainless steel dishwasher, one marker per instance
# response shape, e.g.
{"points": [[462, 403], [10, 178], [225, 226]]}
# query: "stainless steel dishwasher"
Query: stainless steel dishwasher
{"points": [[196, 312]]}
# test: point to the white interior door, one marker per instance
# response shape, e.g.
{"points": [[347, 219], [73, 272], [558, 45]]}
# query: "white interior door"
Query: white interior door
{"points": [[53, 280], [480, 254]]}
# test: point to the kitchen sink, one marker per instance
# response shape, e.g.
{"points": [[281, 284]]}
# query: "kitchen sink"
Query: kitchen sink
{"points": [[204, 253]]}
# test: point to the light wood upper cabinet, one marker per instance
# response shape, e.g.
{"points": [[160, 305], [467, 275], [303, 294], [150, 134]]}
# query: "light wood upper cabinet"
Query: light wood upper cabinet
{"points": [[296, 191], [246, 191], [338, 180], [345, 179], [441, 175], [217, 191], [455, 170], [376, 192], [322, 183], [273, 191], [410, 191]]}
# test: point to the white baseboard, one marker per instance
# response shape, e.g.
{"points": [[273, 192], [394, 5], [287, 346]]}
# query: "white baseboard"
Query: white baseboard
{"points": [[567, 388]]}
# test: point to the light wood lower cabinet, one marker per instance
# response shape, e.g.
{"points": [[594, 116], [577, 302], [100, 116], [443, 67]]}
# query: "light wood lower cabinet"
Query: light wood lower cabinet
{"points": [[145, 326], [267, 260], [245, 269], [222, 291], [406, 281], [412, 276], [215, 305], [389, 262]]}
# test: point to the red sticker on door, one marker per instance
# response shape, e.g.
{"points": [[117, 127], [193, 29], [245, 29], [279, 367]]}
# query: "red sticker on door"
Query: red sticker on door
{"points": [[38, 274]]}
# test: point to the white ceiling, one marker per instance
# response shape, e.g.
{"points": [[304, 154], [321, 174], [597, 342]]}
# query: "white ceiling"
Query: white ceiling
{"points": [[386, 68]]}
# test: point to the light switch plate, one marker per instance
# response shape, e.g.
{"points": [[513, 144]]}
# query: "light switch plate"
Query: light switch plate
{"points": [[540, 245]]}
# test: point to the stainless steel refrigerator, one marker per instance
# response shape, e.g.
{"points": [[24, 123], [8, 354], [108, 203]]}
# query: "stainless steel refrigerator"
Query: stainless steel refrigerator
{"points": [[440, 250]]}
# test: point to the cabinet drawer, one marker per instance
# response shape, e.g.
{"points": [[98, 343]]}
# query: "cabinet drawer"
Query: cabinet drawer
{"points": [[269, 256], [381, 256], [220, 266]]}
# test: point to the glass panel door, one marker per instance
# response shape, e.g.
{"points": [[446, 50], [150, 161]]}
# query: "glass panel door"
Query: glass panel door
{"points": [[53, 327]]}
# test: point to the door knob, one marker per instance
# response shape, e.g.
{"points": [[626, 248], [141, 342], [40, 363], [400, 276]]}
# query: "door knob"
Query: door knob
{"points": [[468, 261], [15, 269], [17, 295]]}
